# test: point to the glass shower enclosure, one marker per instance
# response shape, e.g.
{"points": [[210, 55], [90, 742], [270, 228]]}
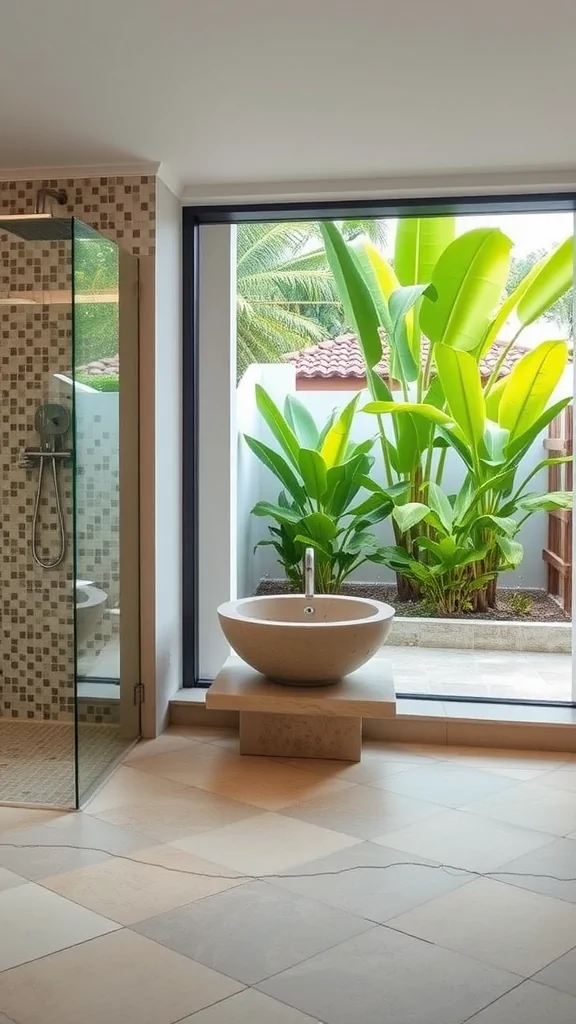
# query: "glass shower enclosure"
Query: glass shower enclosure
{"points": [[69, 643]]}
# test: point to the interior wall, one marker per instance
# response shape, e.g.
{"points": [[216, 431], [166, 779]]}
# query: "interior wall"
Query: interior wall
{"points": [[167, 441], [36, 631]]}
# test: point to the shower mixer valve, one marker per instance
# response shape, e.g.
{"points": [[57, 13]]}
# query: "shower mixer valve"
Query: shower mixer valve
{"points": [[52, 421]]}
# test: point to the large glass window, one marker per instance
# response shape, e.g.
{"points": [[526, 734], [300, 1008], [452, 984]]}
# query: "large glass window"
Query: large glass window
{"points": [[439, 351]]}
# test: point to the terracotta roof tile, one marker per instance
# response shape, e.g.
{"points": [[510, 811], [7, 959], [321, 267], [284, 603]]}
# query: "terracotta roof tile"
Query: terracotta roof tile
{"points": [[341, 359]]}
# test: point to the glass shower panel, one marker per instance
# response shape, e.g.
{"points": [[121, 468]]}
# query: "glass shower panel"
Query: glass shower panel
{"points": [[37, 741], [105, 422]]}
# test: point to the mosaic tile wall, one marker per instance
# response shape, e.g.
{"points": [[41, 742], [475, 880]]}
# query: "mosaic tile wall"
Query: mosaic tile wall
{"points": [[37, 606]]}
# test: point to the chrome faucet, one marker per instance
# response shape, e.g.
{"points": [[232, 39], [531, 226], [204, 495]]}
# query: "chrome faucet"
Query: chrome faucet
{"points": [[309, 572]]}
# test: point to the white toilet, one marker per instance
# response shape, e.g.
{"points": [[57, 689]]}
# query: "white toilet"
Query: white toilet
{"points": [[90, 604]]}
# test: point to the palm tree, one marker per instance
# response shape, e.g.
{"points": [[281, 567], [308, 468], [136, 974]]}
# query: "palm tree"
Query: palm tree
{"points": [[285, 291]]}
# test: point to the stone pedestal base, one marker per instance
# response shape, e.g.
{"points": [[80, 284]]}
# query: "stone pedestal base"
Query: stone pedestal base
{"points": [[272, 735]]}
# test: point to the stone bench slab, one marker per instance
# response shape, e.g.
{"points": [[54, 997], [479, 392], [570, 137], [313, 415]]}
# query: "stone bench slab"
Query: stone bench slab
{"points": [[303, 721]]}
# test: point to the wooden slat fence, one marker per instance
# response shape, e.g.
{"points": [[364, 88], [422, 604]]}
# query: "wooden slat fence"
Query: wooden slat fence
{"points": [[558, 553]]}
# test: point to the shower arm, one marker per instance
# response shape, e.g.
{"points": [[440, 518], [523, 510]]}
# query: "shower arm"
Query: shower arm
{"points": [[59, 195]]}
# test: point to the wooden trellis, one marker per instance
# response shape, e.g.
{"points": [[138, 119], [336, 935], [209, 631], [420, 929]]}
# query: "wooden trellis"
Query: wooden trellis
{"points": [[558, 553]]}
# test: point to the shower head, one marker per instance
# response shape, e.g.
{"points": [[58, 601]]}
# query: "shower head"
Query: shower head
{"points": [[40, 226]]}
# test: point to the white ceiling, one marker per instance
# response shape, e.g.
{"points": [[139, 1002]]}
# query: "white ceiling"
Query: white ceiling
{"points": [[268, 91]]}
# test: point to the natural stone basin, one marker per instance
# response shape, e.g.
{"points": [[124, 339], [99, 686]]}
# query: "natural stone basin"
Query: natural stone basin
{"points": [[305, 641]]}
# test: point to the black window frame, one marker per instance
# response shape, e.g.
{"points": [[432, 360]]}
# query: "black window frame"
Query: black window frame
{"points": [[194, 217]]}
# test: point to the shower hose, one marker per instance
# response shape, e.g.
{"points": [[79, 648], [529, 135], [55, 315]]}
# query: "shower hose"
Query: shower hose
{"points": [[61, 529]]}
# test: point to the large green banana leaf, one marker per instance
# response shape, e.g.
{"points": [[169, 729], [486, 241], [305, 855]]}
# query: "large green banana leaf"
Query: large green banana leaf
{"points": [[301, 421], [554, 277], [354, 292], [543, 285], [277, 465], [335, 443], [520, 445], [493, 399], [469, 279], [378, 275], [313, 471], [458, 372], [394, 306], [420, 241], [530, 386], [400, 306], [430, 412], [277, 424]]}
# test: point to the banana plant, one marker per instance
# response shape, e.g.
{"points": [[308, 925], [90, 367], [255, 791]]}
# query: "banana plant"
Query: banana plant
{"points": [[485, 517], [321, 472], [444, 403]]}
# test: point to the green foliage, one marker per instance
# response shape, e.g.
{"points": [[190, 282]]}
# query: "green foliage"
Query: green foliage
{"points": [[286, 297], [105, 382], [95, 323], [451, 548], [321, 473], [521, 604], [561, 312]]}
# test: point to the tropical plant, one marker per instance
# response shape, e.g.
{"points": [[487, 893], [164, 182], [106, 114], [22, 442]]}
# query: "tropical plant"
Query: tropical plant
{"points": [[562, 311], [322, 473], [285, 291], [95, 322], [454, 545]]}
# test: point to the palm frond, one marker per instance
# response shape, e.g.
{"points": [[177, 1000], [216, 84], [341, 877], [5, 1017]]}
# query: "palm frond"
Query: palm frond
{"points": [[286, 297]]}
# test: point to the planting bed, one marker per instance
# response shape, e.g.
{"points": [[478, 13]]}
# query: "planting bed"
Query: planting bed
{"points": [[513, 605]]}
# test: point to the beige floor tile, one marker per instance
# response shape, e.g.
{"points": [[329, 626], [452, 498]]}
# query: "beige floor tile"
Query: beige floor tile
{"points": [[531, 805], [12, 818], [37, 862], [249, 1007], [36, 922], [561, 974], [363, 811], [167, 818], [529, 1004], [522, 765], [171, 856], [384, 977], [252, 931], [191, 764], [499, 924], [464, 840], [259, 781], [8, 880], [560, 778], [274, 786], [128, 892], [265, 844], [201, 733], [167, 743], [121, 978], [450, 786], [479, 757], [551, 870], [370, 769], [73, 830], [371, 881], [519, 774], [128, 785]]}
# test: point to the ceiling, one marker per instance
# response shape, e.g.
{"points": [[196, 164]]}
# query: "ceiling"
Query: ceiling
{"points": [[237, 91]]}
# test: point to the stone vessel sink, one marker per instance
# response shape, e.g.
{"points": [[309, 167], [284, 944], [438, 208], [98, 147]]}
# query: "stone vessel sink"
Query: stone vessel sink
{"points": [[305, 641]]}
